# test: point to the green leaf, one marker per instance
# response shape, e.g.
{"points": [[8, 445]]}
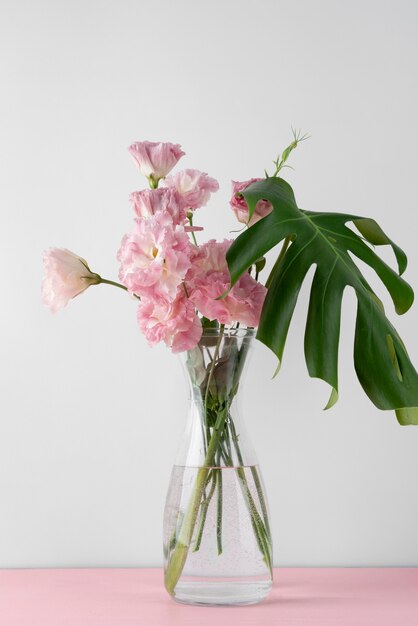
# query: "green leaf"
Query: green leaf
{"points": [[325, 241], [209, 324]]}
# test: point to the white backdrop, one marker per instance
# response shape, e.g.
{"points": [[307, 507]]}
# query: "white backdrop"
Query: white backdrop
{"points": [[90, 416]]}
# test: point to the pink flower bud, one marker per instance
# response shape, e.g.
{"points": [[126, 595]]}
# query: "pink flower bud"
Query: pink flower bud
{"points": [[240, 208], [66, 276], [155, 160]]}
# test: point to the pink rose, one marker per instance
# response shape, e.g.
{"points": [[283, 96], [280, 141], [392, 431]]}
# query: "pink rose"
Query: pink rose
{"points": [[66, 276], [209, 278], [195, 187], [155, 160], [149, 202], [240, 208], [155, 257], [175, 323]]}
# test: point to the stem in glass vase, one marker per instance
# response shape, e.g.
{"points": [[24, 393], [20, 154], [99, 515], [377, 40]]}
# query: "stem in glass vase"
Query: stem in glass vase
{"points": [[219, 510], [204, 509], [220, 441], [256, 479], [261, 528], [179, 555]]}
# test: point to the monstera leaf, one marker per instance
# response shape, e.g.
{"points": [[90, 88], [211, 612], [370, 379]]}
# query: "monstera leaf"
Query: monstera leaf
{"points": [[325, 241]]}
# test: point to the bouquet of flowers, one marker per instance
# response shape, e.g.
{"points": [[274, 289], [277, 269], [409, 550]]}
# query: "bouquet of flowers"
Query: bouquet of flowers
{"points": [[176, 281], [185, 289]]}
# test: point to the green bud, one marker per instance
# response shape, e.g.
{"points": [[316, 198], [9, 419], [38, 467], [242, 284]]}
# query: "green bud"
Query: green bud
{"points": [[260, 264]]}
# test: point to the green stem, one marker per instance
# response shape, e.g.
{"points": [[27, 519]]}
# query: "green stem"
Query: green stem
{"points": [[261, 530], [219, 508], [257, 522], [262, 533], [262, 538], [204, 510], [153, 182], [256, 478], [190, 218], [263, 504], [227, 441], [180, 552], [185, 289], [113, 283], [212, 367], [105, 281]]}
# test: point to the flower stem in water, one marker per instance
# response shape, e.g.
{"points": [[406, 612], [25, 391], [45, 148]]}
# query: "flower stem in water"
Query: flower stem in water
{"points": [[219, 513], [204, 510]]}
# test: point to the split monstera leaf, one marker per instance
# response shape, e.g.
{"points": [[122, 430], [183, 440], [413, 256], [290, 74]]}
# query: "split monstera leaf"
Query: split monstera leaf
{"points": [[325, 241]]}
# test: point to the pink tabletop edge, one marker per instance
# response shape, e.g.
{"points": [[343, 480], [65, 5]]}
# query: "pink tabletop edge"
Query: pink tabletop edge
{"points": [[136, 597]]}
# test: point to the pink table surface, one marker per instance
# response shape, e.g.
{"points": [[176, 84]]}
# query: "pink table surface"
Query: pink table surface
{"points": [[135, 597]]}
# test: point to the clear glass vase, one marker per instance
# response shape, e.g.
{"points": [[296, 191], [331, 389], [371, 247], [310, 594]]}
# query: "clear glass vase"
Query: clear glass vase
{"points": [[217, 542]]}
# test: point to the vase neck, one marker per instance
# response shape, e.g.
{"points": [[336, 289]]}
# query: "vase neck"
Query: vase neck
{"points": [[215, 433]]}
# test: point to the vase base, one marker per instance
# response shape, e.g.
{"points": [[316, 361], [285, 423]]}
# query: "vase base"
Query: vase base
{"points": [[221, 593]]}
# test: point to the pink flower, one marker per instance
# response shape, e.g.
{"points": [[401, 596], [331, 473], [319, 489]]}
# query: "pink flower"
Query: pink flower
{"points": [[155, 257], [66, 276], [209, 278], [240, 208], [195, 187], [149, 202], [155, 160], [175, 323]]}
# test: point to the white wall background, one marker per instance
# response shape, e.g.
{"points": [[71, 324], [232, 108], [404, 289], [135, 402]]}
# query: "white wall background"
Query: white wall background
{"points": [[90, 416]]}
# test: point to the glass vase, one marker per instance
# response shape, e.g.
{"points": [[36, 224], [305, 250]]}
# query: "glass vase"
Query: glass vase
{"points": [[217, 541]]}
